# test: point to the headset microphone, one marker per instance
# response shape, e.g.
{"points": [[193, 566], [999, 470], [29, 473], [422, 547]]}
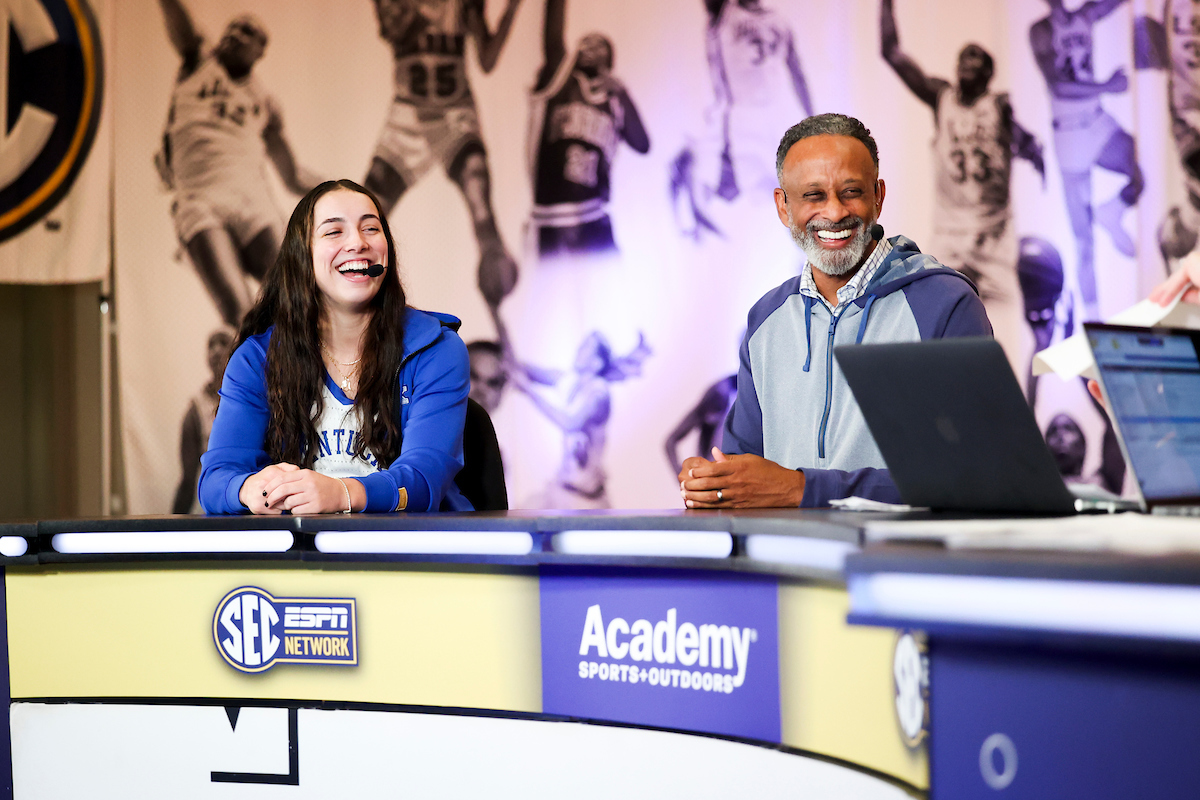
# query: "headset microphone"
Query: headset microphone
{"points": [[877, 231], [373, 271]]}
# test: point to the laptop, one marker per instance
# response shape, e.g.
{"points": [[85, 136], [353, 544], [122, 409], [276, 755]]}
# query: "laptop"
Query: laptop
{"points": [[1151, 383], [956, 431]]}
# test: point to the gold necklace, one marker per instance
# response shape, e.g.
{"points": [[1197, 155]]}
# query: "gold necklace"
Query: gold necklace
{"points": [[337, 365]]}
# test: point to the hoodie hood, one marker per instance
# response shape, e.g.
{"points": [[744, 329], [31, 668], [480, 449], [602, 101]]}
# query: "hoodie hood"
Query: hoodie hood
{"points": [[904, 265], [423, 328]]}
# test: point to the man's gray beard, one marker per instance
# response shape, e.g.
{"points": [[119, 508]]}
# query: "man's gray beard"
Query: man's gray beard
{"points": [[833, 262]]}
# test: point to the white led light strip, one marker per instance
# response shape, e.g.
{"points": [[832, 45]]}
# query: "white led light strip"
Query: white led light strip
{"points": [[678, 544], [13, 546], [172, 542], [1114, 609], [827, 554], [477, 543]]}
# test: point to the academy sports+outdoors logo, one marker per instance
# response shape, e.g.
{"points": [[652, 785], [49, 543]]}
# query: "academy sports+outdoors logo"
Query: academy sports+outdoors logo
{"points": [[665, 643], [254, 631], [693, 651], [52, 75]]}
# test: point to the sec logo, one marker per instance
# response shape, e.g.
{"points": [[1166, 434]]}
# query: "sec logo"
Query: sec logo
{"points": [[910, 671], [51, 75], [253, 630]]}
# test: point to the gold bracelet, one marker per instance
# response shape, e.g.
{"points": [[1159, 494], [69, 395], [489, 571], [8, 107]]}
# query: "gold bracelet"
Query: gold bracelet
{"points": [[346, 489]]}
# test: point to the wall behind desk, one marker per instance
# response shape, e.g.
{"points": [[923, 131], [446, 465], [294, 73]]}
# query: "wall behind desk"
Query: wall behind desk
{"points": [[50, 357]]}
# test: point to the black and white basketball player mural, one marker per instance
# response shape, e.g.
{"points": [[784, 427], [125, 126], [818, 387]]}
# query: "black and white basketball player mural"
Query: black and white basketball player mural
{"points": [[707, 418], [220, 125], [759, 91], [492, 363], [1067, 443], [975, 141], [197, 424], [580, 114], [489, 373], [1174, 44], [1052, 316], [583, 419], [432, 119], [1040, 272], [1085, 135]]}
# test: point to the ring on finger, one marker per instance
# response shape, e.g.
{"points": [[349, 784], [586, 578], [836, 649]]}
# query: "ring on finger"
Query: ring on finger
{"points": [[720, 497]]}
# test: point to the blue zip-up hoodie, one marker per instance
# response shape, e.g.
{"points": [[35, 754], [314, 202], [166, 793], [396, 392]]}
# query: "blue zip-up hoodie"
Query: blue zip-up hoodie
{"points": [[793, 405], [433, 381]]}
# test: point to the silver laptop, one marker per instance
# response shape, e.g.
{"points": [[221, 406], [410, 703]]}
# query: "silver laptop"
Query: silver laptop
{"points": [[1151, 383]]}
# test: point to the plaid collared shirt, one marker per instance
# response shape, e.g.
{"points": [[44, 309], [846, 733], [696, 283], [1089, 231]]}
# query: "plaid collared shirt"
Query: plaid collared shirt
{"points": [[855, 286]]}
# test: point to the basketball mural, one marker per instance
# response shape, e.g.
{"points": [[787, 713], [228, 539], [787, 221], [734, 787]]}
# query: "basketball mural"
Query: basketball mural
{"points": [[588, 187]]}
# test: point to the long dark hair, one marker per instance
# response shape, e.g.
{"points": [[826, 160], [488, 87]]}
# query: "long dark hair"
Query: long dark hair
{"points": [[291, 301]]}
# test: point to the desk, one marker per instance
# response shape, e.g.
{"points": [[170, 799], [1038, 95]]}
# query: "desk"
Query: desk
{"points": [[1049, 674], [645, 654]]}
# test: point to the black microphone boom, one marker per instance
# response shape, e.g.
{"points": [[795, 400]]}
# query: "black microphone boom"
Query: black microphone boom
{"points": [[877, 231]]}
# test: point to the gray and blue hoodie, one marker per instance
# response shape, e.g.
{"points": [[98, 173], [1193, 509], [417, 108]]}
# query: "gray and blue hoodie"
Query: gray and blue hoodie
{"points": [[793, 405]]}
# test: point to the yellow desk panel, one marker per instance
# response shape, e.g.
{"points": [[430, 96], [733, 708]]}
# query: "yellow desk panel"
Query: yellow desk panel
{"points": [[425, 638], [836, 686]]}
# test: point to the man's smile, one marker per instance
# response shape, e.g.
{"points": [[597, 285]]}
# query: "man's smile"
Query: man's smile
{"points": [[831, 237]]}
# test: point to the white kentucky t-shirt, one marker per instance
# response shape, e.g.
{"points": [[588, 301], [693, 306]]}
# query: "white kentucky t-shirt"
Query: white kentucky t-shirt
{"points": [[338, 432]]}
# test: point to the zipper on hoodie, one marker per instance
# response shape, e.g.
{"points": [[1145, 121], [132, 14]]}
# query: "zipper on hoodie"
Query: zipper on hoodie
{"points": [[833, 321]]}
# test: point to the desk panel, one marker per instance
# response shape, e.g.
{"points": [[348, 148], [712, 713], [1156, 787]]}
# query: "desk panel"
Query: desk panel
{"points": [[123, 751], [1038, 724], [837, 690], [120, 641], [1051, 673], [425, 638]]}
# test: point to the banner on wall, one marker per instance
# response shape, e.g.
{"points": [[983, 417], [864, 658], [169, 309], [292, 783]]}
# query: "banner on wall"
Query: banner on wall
{"points": [[55, 154], [588, 186]]}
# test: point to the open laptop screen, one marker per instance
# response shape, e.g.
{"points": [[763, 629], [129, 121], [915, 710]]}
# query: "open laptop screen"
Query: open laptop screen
{"points": [[1151, 379]]}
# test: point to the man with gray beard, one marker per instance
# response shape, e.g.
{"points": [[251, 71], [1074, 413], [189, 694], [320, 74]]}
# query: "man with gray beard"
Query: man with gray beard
{"points": [[795, 436]]}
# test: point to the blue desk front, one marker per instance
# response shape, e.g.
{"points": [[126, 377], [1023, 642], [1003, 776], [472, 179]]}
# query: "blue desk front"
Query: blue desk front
{"points": [[1049, 674]]}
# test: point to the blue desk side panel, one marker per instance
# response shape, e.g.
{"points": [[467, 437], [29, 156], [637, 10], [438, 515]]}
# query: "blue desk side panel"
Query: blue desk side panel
{"points": [[1079, 725]]}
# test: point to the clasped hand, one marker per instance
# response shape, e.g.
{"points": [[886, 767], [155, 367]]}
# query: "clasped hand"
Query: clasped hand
{"points": [[743, 481], [286, 487]]}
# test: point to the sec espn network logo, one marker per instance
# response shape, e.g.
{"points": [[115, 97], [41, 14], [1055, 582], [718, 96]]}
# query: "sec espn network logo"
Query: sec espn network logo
{"points": [[254, 631], [51, 76]]}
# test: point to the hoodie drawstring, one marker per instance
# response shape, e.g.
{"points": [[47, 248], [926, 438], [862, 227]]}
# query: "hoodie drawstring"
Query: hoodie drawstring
{"points": [[862, 321], [808, 303]]}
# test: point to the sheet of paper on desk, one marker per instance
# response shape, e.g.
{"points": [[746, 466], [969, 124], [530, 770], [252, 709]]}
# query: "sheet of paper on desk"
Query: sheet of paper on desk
{"points": [[1139, 534], [1072, 357], [855, 503]]}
